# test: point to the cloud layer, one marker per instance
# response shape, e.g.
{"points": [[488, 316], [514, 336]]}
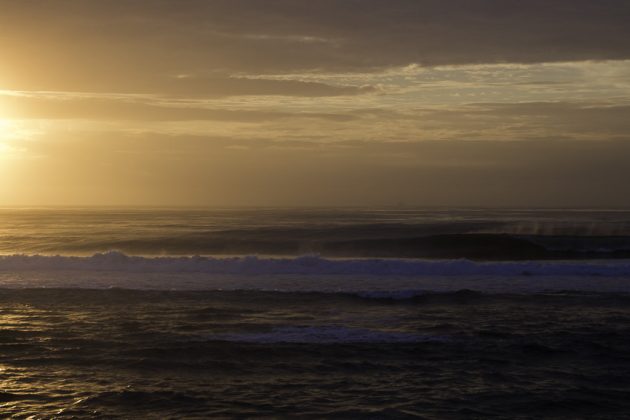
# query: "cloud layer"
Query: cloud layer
{"points": [[301, 102], [129, 45]]}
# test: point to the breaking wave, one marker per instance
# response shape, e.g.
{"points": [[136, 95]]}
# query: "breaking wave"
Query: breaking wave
{"points": [[310, 265]]}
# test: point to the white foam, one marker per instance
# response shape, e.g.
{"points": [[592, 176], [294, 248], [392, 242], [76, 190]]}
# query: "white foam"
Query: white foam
{"points": [[376, 278], [309, 265]]}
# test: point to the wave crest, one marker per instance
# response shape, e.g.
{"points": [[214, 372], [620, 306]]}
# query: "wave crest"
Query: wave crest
{"points": [[308, 265]]}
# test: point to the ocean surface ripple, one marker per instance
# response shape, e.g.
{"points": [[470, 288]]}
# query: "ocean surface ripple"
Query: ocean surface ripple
{"points": [[157, 354]]}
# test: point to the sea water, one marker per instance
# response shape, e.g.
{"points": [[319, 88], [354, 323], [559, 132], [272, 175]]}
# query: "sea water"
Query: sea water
{"points": [[380, 313]]}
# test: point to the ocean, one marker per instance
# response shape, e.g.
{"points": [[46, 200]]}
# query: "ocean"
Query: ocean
{"points": [[315, 313]]}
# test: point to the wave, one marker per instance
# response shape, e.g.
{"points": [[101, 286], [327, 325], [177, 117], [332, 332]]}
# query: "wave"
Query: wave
{"points": [[367, 242], [309, 265]]}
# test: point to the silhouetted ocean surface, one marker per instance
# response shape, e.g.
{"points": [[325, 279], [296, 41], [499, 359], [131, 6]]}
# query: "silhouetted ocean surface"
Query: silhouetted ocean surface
{"points": [[390, 233], [397, 313]]}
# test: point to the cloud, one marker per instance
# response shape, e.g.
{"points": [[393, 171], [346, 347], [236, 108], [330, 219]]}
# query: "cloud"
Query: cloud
{"points": [[124, 45], [142, 109], [328, 124], [578, 120], [302, 102], [185, 85]]}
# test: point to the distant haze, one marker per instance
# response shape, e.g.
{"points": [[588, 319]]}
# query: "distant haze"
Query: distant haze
{"points": [[309, 103]]}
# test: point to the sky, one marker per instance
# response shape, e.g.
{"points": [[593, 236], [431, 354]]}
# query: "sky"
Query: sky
{"points": [[483, 103]]}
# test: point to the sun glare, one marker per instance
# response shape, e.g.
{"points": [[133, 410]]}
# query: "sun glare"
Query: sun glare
{"points": [[5, 130], [7, 133]]}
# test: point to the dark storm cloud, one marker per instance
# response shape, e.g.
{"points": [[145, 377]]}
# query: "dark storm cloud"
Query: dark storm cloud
{"points": [[104, 45]]}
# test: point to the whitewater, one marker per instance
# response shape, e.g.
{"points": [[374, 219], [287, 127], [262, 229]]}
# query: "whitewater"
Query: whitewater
{"points": [[381, 277]]}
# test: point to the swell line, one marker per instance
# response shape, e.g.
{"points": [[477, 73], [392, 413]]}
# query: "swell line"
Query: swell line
{"points": [[309, 265]]}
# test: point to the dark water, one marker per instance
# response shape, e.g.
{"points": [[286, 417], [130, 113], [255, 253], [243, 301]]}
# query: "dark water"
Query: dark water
{"points": [[321, 313], [386, 233], [148, 354]]}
